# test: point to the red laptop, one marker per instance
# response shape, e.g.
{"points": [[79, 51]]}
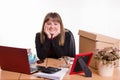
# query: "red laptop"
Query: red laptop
{"points": [[15, 59]]}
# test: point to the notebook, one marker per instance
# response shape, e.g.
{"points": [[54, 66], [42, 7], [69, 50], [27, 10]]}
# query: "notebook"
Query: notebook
{"points": [[16, 60], [55, 76]]}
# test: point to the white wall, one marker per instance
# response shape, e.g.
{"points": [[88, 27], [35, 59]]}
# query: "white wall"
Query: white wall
{"points": [[21, 19]]}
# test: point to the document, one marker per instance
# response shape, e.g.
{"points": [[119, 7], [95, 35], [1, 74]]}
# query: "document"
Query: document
{"points": [[55, 76]]}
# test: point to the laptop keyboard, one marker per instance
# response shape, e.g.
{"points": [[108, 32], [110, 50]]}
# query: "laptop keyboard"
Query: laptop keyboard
{"points": [[33, 68]]}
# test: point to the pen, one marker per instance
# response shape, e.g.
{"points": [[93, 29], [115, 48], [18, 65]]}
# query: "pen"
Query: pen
{"points": [[65, 59]]}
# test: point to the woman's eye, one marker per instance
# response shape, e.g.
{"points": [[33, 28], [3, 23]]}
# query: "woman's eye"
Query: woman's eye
{"points": [[48, 23], [55, 23]]}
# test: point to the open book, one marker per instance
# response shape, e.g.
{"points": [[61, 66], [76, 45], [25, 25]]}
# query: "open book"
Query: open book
{"points": [[55, 76]]}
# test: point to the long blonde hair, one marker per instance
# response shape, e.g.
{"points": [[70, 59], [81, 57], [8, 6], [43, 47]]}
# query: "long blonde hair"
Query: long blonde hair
{"points": [[56, 17]]}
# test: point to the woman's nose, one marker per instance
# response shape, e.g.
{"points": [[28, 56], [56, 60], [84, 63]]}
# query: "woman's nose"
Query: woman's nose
{"points": [[52, 26]]}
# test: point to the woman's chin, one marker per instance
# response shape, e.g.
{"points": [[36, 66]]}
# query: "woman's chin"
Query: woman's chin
{"points": [[52, 32]]}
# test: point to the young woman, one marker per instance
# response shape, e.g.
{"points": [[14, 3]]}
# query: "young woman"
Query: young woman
{"points": [[54, 40]]}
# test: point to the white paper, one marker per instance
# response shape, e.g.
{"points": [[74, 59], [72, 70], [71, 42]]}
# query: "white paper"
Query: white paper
{"points": [[55, 76]]}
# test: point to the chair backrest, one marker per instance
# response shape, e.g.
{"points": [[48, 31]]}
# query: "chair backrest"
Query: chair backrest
{"points": [[72, 44]]}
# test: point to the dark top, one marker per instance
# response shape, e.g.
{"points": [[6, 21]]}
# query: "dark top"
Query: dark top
{"points": [[50, 48]]}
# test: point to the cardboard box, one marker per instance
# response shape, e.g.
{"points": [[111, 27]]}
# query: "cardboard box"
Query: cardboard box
{"points": [[89, 42]]}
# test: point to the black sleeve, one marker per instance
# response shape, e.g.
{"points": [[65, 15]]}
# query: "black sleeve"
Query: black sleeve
{"points": [[41, 48], [69, 46]]}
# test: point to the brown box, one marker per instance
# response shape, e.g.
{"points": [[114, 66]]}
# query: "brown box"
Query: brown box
{"points": [[89, 42]]}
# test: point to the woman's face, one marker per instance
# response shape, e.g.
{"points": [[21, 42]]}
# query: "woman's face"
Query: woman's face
{"points": [[52, 26]]}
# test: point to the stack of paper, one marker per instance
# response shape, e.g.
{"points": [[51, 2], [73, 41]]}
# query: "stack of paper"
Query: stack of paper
{"points": [[55, 76]]}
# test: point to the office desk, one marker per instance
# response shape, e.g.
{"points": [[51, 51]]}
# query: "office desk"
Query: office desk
{"points": [[56, 63], [4, 75], [32, 77]]}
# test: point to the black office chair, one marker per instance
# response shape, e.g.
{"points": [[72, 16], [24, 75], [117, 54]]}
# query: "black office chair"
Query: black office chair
{"points": [[72, 44]]}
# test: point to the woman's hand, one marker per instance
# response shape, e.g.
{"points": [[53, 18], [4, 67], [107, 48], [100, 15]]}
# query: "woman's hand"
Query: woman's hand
{"points": [[56, 33], [53, 35], [47, 32]]}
